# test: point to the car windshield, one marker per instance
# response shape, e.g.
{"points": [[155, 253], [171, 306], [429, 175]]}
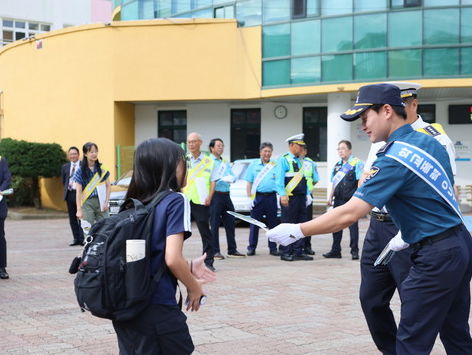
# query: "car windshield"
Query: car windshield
{"points": [[239, 169], [125, 179]]}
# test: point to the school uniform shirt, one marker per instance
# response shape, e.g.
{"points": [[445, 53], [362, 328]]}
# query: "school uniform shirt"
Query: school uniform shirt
{"points": [[172, 216], [218, 173], [267, 184], [79, 179], [415, 207]]}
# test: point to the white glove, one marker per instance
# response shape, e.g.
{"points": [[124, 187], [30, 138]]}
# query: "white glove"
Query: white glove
{"points": [[397, 243], [285, 234], [228, 178], [250, 205], [309, 200]]}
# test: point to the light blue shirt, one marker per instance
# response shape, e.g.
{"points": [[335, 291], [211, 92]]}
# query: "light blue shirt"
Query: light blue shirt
{"points": [[267, 184], [415, 207], [221, 186]]}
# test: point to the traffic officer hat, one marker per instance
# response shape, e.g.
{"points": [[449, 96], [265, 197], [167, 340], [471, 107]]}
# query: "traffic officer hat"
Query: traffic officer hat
{"points": [[297, 139], [376, 94], [408, 89]]}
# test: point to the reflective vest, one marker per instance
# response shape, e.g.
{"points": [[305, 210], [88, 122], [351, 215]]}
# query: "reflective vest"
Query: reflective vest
{"points": [[300, 189], [198, 180], [308, 169]]}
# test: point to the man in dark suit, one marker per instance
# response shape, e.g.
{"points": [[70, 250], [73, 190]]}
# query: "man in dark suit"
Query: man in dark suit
{"points": [[5, 180], [68, 171]]}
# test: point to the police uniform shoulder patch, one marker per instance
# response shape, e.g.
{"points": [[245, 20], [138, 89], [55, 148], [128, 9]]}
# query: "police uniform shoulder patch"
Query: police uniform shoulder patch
{"points": [[432, 131], [384, 149], [372, 172]]}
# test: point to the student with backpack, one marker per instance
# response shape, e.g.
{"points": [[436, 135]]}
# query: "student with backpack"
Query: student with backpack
{"points": [[161, 328]]}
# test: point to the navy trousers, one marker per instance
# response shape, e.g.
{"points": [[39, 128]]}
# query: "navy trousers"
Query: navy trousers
{"points": [[3, 244], [338, 236], [265, 208], [378, 284], [201, 214], [74, 222], [309, 217], [436, 297], [221, 203], [294, 213]]}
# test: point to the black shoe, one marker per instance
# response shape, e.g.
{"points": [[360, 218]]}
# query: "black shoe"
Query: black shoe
{"points": [[251, 252], [4, 274], [303, 257], [309, 251], [332, 255], [236, 254], [355, 255], [286, 257], [75, 242], [218, 256], [211, 267], [274, 253]]}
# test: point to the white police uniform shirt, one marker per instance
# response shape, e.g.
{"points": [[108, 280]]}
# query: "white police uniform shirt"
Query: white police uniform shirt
{"points": [[418, 124]]}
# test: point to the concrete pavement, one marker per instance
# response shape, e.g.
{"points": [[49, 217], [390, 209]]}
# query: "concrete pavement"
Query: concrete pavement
{"points": [[259, 304]]}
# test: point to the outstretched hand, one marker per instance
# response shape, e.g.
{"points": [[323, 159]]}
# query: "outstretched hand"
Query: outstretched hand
{"points": [[200, 271], [285, 234]]}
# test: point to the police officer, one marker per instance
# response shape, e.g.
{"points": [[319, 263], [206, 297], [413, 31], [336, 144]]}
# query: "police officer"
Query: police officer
{"points": [[291, 183], [378, 283], [221, 177], [418, 192], [260, 177], [312, 179], [345, 178], [198, 190]]}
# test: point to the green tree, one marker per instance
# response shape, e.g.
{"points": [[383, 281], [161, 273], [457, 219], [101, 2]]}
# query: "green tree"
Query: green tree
{"points": [[33, 160]]}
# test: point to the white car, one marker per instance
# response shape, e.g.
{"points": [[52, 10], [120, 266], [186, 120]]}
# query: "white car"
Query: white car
{"points": [[237, 190]]}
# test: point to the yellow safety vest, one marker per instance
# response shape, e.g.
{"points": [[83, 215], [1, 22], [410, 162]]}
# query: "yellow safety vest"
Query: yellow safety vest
{"points": [[197, 188], [296, 176], [309, 173]]}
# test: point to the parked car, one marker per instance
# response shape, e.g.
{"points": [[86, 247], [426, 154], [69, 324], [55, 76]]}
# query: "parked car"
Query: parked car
{"points": [[237, 190]]}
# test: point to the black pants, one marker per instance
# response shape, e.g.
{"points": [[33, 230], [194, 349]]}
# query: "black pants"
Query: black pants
{"points": [[264, 205], [3, 244], [338, 236], [221, 203], [294, 213], [378, 284], [160, 330], [77, 232], [201, 214], [309, 216]]}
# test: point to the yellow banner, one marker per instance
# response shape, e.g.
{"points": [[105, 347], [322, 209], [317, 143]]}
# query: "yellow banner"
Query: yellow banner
{"points": [[292, 184], [93, 183]]}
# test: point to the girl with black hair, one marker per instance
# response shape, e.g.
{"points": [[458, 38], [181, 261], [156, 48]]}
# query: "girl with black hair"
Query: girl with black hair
{"points": [[92, 186], [159, 165]]}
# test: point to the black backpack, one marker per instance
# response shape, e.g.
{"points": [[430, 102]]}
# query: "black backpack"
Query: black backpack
{"points": [[105, 284]]}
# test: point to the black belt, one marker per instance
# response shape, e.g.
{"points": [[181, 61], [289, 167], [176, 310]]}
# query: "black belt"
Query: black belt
{"points": [[221, 193], [436, 238], [381, 217], [265, 193]]}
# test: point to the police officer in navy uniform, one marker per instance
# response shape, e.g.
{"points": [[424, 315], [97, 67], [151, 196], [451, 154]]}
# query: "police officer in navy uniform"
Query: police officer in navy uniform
{"points": [[378, 283], [5, 182], [292, 188], [417, 190], [260, 177]]}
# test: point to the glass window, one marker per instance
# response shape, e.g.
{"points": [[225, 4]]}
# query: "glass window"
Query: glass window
{"points": [[466, 2], [370, 31], [163, 8], [312, 7], [369, 5], [249, 12], [19, 35], [404, 29], [428, 3], [33, 26], [206, 13], [8, 36], [276, 40], [306, 70], [7, 23], [276, 72], [220, 12], [372, 65], [172, 125], [427, 112], [466, 61], [298, 8], [441, 26], [180, 6], [217, 2], [20, 24], [229, 11], [405, 3], [338, 7], [129, 11], [404, 63], [441, 61], [204, 3], [466, 28], [336, 34], [276, 10], [45, 28], [315, 125], [305, 37], [146, 9], [245, 133], [336, 67]]}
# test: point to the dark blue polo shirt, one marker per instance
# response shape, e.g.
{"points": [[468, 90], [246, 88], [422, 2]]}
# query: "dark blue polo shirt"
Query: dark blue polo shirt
{"points": [[172, 216], [416, 208]]}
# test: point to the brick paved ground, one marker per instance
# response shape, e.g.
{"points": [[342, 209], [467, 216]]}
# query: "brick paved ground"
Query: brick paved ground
{"points": [[259, 305]]}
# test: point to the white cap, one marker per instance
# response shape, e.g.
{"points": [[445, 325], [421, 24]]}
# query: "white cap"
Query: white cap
{"points": [[297, 139]]}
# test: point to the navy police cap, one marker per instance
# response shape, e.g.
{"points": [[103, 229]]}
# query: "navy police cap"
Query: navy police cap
{"points": [[369, 95]]}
